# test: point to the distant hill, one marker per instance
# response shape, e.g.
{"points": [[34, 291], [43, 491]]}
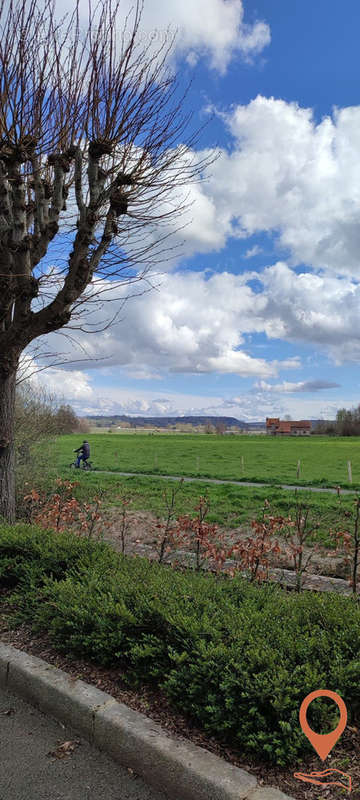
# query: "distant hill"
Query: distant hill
{"points": [[164, 422]]}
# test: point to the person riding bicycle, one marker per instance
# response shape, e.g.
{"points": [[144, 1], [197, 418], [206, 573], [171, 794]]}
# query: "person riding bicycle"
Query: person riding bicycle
{"points": [[84, 453]]}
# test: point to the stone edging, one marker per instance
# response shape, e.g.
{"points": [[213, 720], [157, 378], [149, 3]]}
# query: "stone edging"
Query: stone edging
{"points": [[285, 577], [178, 768]]}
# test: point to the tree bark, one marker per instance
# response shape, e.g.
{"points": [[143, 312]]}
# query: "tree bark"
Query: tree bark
{"points": [[7, 446]]}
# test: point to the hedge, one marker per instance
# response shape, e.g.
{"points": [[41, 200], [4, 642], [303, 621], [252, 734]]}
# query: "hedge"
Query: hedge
{"points": [[237, 658]]}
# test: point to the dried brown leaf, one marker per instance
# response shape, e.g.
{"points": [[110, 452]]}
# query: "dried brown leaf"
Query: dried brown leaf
{"points": [[64, 749]]}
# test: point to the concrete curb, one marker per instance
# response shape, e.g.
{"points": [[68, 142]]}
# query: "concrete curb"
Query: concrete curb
{"points": [[180, 769]]}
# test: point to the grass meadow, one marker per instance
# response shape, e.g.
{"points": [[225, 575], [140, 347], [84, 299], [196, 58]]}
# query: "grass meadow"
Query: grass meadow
{"points": [[323, 460], [268, 460]]}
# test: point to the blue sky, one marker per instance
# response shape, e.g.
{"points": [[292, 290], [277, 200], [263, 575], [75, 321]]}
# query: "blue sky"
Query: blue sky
{"points": [[260, 314]]}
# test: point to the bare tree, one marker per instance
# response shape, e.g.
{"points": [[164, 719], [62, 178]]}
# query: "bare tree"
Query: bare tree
{"points": [[36, 427], [92, 175], [66, 419], [35, 417]]}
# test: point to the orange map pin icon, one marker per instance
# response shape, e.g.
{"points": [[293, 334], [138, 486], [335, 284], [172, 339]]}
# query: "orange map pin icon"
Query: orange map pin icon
{"points": [[323, 743]]}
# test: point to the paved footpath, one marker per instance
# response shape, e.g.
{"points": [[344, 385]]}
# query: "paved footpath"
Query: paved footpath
{"points": [[27, 772], [286, 486]]}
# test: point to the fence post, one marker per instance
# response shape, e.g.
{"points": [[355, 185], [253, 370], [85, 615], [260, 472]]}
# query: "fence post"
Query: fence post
{"points": [[155, 461], [298, 469], [197, 464], [349, 471], [242, 465]]}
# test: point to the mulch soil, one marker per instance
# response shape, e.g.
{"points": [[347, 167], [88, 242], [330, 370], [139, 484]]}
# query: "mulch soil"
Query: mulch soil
{"points": [[141, 539]]}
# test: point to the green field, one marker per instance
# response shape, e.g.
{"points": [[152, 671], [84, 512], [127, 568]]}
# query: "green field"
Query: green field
{"points": [[323, 460], [231, 505]]}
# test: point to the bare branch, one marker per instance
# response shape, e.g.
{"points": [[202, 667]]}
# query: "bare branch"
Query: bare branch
{"points": [[94, 157]]}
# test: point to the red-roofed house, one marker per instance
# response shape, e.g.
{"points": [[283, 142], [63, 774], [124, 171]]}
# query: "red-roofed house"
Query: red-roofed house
{"points": [[277, 427]]}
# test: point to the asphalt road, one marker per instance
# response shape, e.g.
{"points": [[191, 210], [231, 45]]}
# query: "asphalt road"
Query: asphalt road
{"points": [[28, 772]]}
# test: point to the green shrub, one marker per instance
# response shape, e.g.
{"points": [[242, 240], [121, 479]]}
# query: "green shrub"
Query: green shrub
{"points": [[28, 550], [238, 658]]}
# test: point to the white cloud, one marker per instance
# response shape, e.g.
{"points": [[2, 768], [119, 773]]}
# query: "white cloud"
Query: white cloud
{"points": [[110, 399], [73, 387], [206, 218], [253, 251], [193, 324], [253, 406], [320, 310], [283, 173], [212, 29], [201, 324], [287, 387], [288, 173]]}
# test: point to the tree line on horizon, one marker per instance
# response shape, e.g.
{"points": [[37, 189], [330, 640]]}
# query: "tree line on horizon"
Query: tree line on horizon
{"points": [[347, 423]]}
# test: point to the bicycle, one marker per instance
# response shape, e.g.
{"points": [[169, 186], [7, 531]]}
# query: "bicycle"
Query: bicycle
{"points": [[85, 465]]}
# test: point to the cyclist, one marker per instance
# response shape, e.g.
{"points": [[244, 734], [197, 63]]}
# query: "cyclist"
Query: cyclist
{"points": [[84, 453]]}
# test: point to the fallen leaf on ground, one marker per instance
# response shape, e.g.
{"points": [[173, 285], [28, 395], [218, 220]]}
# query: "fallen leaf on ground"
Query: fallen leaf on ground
{"points": [[64, 749]]}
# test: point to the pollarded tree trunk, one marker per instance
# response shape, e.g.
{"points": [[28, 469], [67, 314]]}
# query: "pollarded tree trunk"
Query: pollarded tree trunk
{"points": [[108, 131], [7, 446]]}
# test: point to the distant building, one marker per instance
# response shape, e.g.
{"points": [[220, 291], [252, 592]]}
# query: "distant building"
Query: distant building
{"points": [[277, 427]]}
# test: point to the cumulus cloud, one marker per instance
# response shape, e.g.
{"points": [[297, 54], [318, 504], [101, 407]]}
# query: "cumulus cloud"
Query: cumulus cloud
{"points": [[193, 324], [198, 323], [216, 30], [320, 310], [212, 28], [285, 172], [74, 387], [201, 324], [208, 220]]}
